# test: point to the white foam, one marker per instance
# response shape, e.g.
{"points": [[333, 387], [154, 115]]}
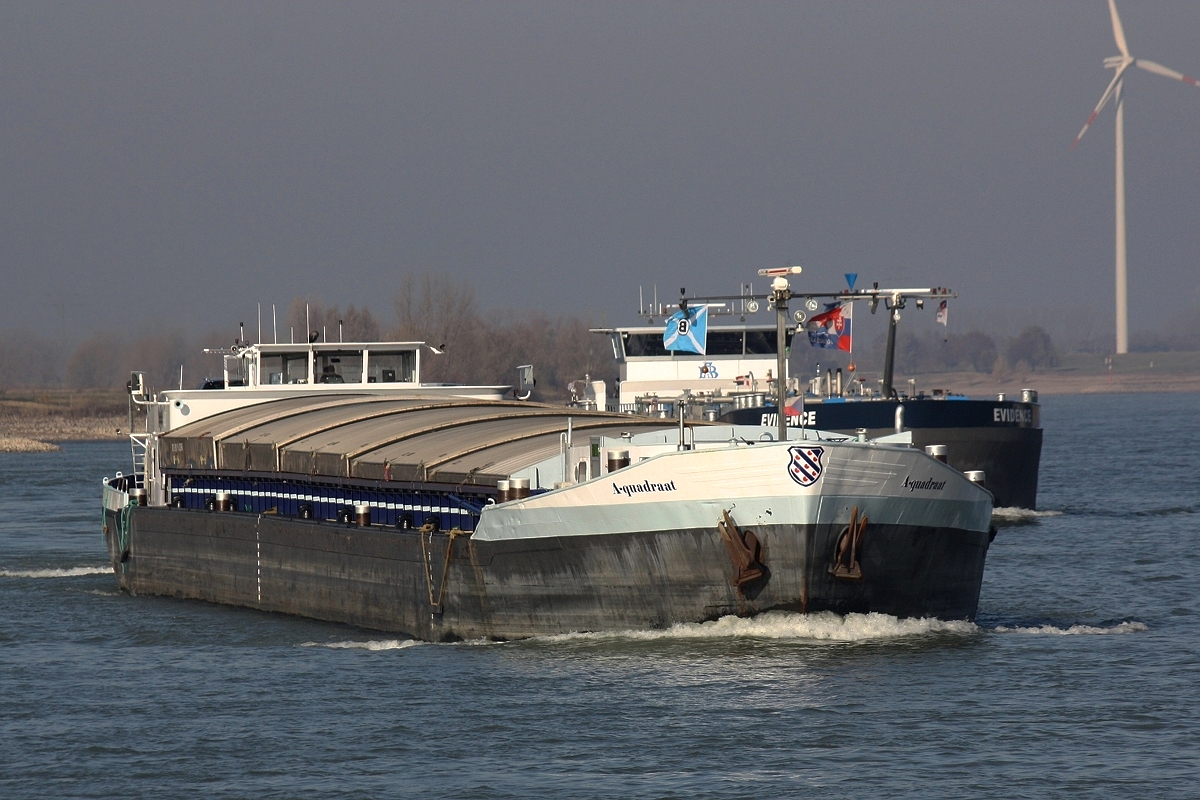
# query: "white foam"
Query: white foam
{"points": [[385, 644], [1013, 514], [781, 625], [70, 572], [1074, 630]]}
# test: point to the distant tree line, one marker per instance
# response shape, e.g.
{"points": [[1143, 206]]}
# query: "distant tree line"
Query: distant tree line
{"points": [[974, 351], [478, 347], [938, 350], [472, 347]]}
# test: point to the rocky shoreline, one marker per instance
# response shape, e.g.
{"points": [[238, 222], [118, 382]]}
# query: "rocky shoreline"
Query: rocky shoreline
{"points": [[39, 433], [18, 444], [1054, 382]]}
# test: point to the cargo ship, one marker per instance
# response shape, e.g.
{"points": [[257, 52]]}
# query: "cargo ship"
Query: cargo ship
{"points": [[734, 381], [449, 513]]}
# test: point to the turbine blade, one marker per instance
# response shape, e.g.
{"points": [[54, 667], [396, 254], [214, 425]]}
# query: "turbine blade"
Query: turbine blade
{"points": [[1118, 31], [1159, 69], [1104, 98]]}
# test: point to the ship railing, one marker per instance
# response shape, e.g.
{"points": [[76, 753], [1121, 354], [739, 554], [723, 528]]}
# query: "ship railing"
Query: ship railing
{"points": [[115, 498]]}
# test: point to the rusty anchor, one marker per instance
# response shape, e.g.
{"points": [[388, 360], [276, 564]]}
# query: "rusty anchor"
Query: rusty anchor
{"points": [[845, 564], [745, 551]]}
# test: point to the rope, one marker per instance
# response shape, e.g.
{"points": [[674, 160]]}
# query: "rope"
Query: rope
{"points": [[124, 524]]}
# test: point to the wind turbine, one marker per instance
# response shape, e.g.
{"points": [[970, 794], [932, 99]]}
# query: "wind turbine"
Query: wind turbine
{"points": [[1122, 63]]}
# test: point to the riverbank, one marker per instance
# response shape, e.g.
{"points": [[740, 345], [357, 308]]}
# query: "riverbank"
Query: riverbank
{"points": [[34, 420], [1051, 383], [1077, 373]]}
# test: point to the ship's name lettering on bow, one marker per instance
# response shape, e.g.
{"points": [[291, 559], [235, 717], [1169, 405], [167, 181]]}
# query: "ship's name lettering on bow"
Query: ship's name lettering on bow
{"points": [[1013, 415], [645, 487]]}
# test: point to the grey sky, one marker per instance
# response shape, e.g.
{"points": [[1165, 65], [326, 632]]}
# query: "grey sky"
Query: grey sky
{"points": [[182, 162]]}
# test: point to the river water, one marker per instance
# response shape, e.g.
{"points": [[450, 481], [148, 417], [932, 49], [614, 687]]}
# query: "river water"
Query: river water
{"points": [[1081, 676]]}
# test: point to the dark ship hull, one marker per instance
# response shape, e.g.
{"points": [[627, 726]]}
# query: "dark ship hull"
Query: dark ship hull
{"points": [[438, 588]]}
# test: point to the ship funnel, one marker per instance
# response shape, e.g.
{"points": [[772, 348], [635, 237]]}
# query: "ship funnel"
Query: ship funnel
{"points": [[977, 476], [938, 451]]}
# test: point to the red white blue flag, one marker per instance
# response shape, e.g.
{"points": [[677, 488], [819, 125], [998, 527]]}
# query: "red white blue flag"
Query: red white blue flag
{"points": [[831, 328]]}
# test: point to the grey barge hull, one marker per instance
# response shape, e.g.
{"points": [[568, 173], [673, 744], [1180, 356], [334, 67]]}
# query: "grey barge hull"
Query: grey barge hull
{"points": [[393, 515], [392, 580]]}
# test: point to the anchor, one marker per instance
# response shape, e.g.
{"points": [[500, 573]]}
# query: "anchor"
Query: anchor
{"points": [[745, 551], [845, 564]]}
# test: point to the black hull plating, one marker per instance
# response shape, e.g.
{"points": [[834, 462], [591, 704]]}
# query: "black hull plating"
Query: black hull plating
{"points": [[377, 577]]}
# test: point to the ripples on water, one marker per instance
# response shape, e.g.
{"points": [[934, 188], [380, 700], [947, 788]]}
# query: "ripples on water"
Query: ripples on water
{"points": [[1078, 678]]}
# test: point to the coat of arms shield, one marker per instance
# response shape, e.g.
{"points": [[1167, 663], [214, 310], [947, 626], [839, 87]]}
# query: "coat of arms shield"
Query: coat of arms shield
{"points": [[805, 466]]}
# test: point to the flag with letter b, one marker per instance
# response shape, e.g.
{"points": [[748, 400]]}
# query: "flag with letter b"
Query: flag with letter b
{"points": [[687, 331]]}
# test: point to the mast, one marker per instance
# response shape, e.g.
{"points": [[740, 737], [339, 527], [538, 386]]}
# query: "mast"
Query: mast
{"points": [[889, 361], [781, 294], [893, 299]]}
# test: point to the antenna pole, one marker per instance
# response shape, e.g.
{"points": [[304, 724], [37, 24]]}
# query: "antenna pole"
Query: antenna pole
{"points": [[889, 362], [274, 325], [259, 340]]}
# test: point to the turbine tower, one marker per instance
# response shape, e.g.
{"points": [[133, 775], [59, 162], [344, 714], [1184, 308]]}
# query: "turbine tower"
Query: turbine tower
{"points": [[1122, 63]]}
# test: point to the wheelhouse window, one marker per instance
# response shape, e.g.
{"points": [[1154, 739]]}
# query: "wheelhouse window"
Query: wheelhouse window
{"points": [[280, 368], [719, 343], [644, 344], [342, 366], [723, 343], [761, 343], [392, 367]]}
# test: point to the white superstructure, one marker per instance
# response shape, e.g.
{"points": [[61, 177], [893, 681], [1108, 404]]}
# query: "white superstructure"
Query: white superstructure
{"points": [[740, 362], [259, 373]]}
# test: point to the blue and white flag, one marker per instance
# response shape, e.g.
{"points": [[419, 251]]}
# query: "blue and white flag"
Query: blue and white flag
{"points": [[687, 332]]}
